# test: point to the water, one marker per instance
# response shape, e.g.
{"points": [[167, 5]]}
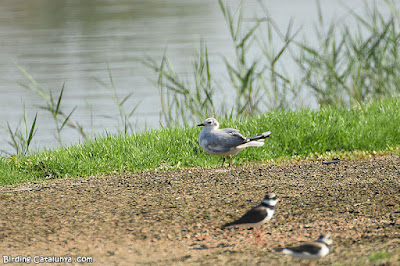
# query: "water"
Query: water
{"points": [[74, 42]]}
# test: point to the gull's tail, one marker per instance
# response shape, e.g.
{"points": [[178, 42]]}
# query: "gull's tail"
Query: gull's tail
{"points": [[256, 141], [261, 136]]}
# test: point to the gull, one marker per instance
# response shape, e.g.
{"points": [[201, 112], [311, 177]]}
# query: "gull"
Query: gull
{"points": [[316, 249], [257, 216], [226, 141]]}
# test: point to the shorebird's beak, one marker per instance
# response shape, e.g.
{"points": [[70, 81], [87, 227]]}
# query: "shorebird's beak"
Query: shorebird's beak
{"points": [[200, 125]]}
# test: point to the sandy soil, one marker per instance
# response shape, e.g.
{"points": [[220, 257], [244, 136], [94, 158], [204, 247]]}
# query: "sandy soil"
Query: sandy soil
{"points": [[174, 217]]}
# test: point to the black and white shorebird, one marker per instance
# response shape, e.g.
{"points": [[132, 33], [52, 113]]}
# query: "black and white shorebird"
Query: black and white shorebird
{"points": [[226, 141], [257, 216], [313, 250]]}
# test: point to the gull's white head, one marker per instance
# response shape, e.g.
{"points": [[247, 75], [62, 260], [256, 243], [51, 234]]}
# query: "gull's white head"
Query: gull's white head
{"points": [[210, 123]]}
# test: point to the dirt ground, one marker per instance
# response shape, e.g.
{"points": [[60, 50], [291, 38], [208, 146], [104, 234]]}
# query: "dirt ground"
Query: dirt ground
{"points": [[165, 218]]}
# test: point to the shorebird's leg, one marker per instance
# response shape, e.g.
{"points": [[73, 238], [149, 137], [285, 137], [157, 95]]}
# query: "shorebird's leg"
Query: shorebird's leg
{"points": [[223, 160], [258, 236], [226, 235], [230, 160]]}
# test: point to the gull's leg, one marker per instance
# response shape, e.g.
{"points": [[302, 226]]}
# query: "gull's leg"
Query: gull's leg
{"points": [[223, 160], [230, 160]]}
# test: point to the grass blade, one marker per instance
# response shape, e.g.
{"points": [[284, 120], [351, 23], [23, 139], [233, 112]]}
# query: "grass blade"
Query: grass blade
{"points": [[31, 133], [66, 119]]}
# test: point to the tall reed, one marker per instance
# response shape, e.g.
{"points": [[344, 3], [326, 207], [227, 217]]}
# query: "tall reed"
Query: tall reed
{"points": [[21, 138], [256, 75], [125, 115], [53, 105], [183, 101], [354, 64]]}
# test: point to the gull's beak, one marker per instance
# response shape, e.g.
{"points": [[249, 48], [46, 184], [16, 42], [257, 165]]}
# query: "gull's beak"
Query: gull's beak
{"points": [[200, 125]]}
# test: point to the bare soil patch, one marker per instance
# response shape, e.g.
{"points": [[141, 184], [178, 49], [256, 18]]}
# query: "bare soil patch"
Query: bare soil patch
{"points": [[174, 217]]}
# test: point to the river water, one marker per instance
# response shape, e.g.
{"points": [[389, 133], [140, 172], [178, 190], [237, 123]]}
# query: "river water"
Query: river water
{"points": [[74, 42]]}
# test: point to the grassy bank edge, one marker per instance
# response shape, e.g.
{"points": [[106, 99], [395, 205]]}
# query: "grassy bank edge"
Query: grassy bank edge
{"points": [[329, 133]]}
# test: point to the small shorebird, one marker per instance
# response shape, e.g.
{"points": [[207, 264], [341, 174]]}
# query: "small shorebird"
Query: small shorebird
{"points": [[313, 250], [257, 216], [226, 141]]}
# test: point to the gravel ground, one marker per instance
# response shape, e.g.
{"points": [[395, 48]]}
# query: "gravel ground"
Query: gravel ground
{"points": [[174, 217]]}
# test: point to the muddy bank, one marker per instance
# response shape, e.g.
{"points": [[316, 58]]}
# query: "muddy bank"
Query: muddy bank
{"points": [[174, 217]]}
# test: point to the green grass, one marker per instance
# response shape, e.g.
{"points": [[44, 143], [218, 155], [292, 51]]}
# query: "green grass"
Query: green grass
{"points": [[368, 128], [379, 255]]}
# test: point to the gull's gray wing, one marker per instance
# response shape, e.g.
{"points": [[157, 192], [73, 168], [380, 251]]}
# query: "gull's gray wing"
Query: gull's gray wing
{"points": [[234, 135], [229, 130], [222, 140]]}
